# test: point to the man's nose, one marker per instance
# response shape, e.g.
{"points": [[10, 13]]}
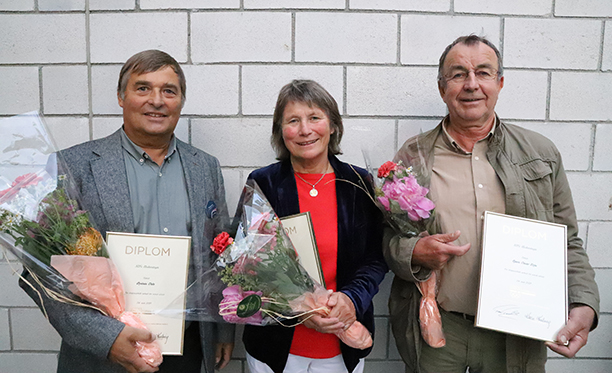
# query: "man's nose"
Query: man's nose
{"points": [[471, 82], [156, 99]]}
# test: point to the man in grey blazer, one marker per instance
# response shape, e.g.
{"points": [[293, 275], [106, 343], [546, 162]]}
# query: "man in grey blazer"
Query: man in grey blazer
{"points": [[143, 179]]}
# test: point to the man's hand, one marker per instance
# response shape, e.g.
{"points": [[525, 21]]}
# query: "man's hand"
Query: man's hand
{"points": [[434, 251], [123, 351], [223, 354], [576, 332], [342, 308]]}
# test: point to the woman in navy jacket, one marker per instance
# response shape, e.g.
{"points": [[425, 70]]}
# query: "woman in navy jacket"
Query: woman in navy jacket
{"points": [[307, 129]]}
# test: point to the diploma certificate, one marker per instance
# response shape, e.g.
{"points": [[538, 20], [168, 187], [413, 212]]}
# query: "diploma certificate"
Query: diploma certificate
{"points": [[523, 279], [154, 273], [299, 229]]}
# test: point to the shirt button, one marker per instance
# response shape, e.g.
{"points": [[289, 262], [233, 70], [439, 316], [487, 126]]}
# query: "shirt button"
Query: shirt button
{"points": [[480, 186], [160, 174], [141, 160], [477, 158], [165, 230]]}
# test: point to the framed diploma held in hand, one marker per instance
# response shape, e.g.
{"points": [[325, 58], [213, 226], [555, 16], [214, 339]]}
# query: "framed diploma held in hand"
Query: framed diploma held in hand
{"points": [[154, 271], [523, 279], [299, 229]]}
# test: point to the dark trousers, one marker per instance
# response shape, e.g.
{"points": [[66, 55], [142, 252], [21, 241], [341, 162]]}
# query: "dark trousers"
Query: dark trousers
{"points": [[191, 360]]}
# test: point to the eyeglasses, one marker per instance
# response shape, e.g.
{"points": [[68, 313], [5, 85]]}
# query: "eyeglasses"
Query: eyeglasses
{"points": [[482, 74]]}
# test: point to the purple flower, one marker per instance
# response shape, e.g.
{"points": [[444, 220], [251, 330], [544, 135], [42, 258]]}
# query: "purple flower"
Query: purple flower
{"points": [[410, 196], [232, 296]]}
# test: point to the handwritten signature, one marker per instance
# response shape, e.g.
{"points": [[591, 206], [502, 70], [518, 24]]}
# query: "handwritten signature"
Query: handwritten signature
{"points": [[162, 336], [513, 311]]}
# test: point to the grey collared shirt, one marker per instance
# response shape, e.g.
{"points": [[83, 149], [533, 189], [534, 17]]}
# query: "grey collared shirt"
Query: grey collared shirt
{"points": [[158, 194]]}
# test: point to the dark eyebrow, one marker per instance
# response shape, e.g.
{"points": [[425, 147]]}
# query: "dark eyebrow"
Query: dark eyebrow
{"points": [[172, 86], [461, 67], [148, 83], [142, 82]]}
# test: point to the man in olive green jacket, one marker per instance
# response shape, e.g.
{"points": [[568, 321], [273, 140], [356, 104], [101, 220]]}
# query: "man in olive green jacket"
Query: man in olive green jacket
{"points": [[474, 162]]}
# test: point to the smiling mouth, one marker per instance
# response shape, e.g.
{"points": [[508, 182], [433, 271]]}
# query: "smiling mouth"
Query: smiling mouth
{"points": [[307, 142], [155, 115], [470, 99]]}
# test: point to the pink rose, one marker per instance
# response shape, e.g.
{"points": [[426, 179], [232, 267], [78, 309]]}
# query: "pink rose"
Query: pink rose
{"points": [[232, 296], [385, 202]]}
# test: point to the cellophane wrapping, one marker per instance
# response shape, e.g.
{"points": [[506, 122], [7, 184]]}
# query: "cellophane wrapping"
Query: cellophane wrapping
{"points": [[41, 225]]}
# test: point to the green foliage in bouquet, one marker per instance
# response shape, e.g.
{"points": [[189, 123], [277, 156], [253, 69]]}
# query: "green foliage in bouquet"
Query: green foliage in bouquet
{"points": [[269, 267], [60, 228]]}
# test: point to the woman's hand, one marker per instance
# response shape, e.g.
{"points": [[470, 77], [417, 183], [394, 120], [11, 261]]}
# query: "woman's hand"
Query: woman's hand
{"points": [[340, 317], [342, 308], [324, 324]]}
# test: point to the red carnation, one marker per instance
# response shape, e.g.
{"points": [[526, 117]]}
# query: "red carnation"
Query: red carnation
{"points": [[221, 242], [386, 168]]}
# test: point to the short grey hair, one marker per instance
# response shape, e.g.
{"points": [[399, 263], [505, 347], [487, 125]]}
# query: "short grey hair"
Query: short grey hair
{"points": [[310, 93], [469, 40]]}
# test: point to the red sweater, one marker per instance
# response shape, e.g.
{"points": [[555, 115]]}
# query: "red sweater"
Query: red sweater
{"points": [[324, 213]]}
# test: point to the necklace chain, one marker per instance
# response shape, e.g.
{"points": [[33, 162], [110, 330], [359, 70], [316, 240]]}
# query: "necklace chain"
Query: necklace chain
{"points": [[313, 192]]}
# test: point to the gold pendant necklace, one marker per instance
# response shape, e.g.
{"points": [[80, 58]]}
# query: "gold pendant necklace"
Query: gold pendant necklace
{"points": [[313, 192]]}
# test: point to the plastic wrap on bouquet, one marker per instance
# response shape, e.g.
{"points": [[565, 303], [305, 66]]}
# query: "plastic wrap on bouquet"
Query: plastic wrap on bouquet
{"points": [[259, 277], [96, 279], [429, 314], [40, 219], [401, 195]]}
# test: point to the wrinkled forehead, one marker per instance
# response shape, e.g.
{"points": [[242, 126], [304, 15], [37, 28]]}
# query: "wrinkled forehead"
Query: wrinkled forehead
{"points": [[462, 56]]}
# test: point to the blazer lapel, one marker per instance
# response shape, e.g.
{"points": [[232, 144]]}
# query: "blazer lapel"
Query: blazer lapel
{"points": [[110, 177], [287, 202], [345, 200], [195, 178]]}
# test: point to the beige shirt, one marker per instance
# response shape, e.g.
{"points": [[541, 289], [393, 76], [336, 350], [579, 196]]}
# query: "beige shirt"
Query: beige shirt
{"points": [[463, 186]]}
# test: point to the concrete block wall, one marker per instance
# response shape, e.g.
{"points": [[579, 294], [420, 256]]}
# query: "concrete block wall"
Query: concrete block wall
{"points": [[378, 59]]}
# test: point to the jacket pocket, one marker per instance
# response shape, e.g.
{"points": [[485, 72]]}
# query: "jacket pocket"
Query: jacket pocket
{"points": [[539, 191]]}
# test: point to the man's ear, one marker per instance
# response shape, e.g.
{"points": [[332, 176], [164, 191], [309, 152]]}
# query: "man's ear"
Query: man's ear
{"points": [[441, 88], [119, 99]]}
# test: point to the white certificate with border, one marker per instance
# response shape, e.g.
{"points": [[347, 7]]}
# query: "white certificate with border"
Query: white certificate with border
{"points": [[299, 229], [523, 280], [153, 270]]}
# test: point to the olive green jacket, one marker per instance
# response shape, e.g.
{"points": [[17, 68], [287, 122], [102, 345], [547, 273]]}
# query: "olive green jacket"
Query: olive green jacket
{"points": [[536, 187]]}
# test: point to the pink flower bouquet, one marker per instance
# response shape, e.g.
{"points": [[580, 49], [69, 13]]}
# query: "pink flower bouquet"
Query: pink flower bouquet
{"points": [[264, 281], [403, 197], [407, 208], [42, 226]]}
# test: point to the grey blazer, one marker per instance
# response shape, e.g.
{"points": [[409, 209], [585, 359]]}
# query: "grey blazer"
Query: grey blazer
{"points": [[98, 170]]}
